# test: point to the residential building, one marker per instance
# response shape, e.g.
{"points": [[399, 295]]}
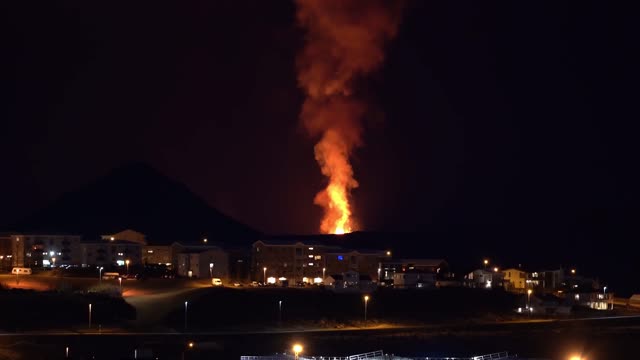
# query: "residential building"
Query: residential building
{"points": [[389, 267], [414, 279], [515, 280], [112, 253], [44, 250], [551, 280], [157, 255], [203, 261], [484, 279], [350, 281], [361, 261], [292, 260], [295, 260], [593, 300], [6, 252]]}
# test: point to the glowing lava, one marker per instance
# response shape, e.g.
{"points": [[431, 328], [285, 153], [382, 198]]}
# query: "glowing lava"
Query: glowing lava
{"points": [[344, 42]]}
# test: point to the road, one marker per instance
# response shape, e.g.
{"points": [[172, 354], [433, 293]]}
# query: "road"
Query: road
{"points": [[376, 328]]}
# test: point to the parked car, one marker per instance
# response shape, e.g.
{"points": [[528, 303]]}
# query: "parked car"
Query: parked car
{"points": [[237, 284], [216, 282], [255, 284], [110, 275], [21, 271]]}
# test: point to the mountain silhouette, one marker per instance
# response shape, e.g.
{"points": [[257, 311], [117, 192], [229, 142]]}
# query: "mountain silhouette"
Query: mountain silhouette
{"points": [[136, 196]]}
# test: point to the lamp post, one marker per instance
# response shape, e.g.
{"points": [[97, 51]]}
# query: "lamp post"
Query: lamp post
{"points": [[54, 262], [100, 274], [297, 349], [486, 262], [211, 270], [190, 345], [89, 316], [120, 280], [127, 262], [605, 290], [280, 311], [324, 270], [366, 302], [186, 307], [264, 275]]}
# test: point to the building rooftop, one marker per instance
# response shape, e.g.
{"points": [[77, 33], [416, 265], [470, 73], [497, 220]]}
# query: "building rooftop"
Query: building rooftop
{"points": [[419, 262]]}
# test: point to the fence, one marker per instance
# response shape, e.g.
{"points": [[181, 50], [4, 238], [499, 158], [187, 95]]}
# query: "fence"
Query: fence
{"points": [[494, 356], [380, 355]]}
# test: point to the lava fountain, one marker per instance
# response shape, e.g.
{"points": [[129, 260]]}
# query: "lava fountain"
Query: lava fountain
{"points": [[344, 42]]}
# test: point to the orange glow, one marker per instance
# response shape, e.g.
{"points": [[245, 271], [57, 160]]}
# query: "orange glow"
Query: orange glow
{"points": [[344, 41]]}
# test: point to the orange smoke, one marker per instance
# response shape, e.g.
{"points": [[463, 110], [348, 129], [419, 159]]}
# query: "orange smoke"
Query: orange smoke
{"points": [[344, 41]]}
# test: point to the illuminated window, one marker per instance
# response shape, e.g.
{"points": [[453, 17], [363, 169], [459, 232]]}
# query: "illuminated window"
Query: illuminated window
{"points": [[310, 248], [310, 264], [150, 251], [318, 257], [310, 256]]}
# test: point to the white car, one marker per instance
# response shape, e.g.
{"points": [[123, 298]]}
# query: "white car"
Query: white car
{"points": [[216, 282]]}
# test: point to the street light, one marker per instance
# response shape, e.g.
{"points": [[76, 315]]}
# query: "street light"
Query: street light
{"points": [[605, 290], [54, 262], [573, 271], [264, 275], [297, 349], [89, 316], [495, 269], [186, 306], [120, 280], [324, 270], [127, 262], [280, 311], [210, 269], [486, 262], [366, 301], [100, 274]]}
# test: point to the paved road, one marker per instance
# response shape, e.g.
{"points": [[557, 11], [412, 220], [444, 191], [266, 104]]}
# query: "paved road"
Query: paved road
{"points": [[377, 328]]}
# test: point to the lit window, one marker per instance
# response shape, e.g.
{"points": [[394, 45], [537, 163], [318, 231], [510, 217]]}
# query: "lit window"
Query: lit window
{"points": [[577, 297], [310, 264], [310, 248], [310, 256], [150, 251], [318, 257]]}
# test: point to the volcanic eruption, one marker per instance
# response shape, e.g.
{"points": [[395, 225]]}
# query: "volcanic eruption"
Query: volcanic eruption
{"points": [[344, 42]]}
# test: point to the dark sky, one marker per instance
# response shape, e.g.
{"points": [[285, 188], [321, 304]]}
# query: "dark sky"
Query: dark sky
{"points": [[518, 114]]}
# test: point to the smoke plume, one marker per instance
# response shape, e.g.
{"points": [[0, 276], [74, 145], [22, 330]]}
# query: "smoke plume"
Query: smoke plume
{"points": [[344, 42]]}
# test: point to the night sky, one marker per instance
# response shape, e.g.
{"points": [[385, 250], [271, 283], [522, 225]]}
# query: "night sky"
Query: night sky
{"points": [[518, 115]]}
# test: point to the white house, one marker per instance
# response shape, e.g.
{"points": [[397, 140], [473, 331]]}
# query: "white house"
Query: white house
{"points": [[484, 279]]}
